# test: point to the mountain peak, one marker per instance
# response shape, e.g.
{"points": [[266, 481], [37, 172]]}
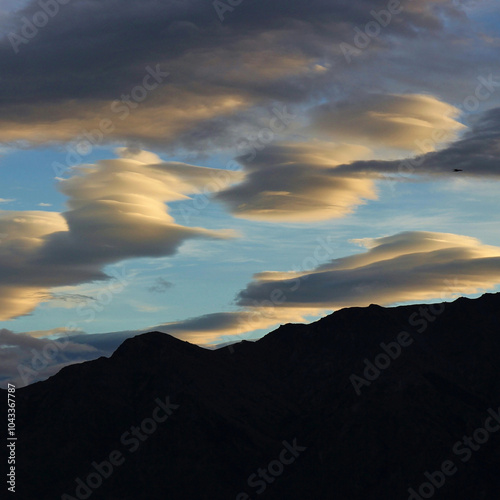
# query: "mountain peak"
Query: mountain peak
{"points": [[154, 345], [153, 342]]}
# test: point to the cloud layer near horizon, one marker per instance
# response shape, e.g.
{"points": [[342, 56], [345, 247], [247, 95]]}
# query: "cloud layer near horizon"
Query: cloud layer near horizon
{"points": [[409, 266], [25, 359]]}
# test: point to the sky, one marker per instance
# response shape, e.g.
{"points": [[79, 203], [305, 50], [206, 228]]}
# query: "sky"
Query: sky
{"points": [[215, 169]]}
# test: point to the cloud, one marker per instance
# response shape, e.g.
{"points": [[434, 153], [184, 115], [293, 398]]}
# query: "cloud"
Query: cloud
{"points": [[161, 286], [144, 308], [320, 180], [53, 333], [164, 117], [409, 266], [23, 282], [4, 200], [476, 155], [29, 357], [116, 211], [260, 54], [406, 267], [219, 327], [24, 358], [387, 120], [68, 300], [294, 182]]}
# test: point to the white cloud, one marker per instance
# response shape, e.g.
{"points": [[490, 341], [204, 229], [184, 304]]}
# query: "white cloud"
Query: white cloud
{"points": [[409, 266], [399, 121], [297, 182], [116, 210]]}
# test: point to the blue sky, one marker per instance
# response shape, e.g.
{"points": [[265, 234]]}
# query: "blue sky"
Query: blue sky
{"points": [[240, 160], [206, 275]]}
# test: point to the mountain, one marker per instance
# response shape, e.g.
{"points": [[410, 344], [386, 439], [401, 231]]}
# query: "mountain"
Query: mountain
{"points": [[364, 404]]}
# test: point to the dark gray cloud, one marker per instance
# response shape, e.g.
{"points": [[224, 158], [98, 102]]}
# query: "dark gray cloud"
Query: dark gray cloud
{"points": [[25, 359], [71, 297], [93, 52], [161, 285]]}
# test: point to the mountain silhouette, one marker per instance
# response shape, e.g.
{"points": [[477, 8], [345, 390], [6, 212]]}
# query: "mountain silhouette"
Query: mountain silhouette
{"points": [[367, 403]]}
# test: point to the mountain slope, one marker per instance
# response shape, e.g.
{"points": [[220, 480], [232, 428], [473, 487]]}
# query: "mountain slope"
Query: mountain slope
{"points": [[293, 405]]}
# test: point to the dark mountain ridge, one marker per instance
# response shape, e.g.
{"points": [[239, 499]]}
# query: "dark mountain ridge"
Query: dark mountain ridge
{"points": [[358, 405]]}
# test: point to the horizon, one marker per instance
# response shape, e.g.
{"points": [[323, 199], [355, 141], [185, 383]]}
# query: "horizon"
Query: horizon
{"points": [[39, 368]]}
